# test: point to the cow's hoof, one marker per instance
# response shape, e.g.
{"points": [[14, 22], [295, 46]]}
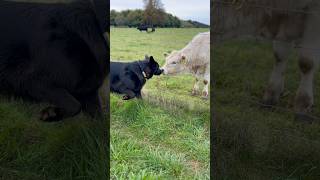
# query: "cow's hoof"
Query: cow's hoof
{"points": [[267, 103], [50, 114], [205, 95], [265, 106], [194, 93], [304, 117], [303, 103]]}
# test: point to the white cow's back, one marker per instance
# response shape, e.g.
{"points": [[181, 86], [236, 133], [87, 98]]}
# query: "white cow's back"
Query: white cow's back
{"points": [[198, 49]]}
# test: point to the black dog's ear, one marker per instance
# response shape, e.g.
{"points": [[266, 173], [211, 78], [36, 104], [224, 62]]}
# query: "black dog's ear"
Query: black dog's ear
{"points": [[151, 59]]}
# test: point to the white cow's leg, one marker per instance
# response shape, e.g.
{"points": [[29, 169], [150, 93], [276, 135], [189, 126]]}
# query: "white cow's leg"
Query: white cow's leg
{"points": [[304, 97], [195, 89], [206, 83], [308, 63], [276, 82]]}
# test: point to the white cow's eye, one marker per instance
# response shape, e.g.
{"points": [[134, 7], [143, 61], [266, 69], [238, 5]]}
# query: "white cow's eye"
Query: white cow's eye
{"points": [[174, 62]]}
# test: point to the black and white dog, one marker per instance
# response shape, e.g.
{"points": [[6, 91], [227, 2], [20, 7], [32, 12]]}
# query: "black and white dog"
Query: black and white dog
{"points": [[129, 78]]}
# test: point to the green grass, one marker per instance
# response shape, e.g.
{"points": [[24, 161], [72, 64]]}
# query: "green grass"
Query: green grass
{"points": [[256, 143], [165, 135], [75, 148]]}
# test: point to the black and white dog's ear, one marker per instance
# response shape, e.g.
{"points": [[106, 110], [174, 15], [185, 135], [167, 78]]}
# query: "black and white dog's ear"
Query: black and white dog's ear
{"points": [[151, 59]]}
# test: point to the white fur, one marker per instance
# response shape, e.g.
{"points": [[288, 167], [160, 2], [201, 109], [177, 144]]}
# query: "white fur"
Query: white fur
{"points": [[194, 59]]}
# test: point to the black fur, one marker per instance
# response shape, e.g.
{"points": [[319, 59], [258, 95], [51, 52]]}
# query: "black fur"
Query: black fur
{"points": [[128, 78], [143, 28], [56, 53]]}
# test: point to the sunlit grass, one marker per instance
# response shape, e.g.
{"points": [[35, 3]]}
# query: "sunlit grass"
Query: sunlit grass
{"points": [[165, 135]]}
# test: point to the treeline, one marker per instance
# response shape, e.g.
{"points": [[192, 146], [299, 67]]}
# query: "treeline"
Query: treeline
{"points": [[134, 18]]}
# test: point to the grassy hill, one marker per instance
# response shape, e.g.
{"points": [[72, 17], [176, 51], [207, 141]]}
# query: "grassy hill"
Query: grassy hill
{"points": [[194, 24]]}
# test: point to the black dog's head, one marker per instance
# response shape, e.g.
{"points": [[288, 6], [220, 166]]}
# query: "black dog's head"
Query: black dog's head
{"points": [[151, 67]]}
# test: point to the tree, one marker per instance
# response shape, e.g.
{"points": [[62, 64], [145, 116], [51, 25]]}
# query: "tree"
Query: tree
{"points": [[113, 15], [134, 18], [154, 13], [120, 20]]}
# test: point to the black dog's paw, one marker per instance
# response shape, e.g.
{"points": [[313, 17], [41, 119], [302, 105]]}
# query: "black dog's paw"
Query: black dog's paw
{"points": [[50, 114], [125, 97]]}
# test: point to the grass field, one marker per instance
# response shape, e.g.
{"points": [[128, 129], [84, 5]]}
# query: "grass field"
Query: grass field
{"points": [[165, 135], [256, 143], [75, 148]]}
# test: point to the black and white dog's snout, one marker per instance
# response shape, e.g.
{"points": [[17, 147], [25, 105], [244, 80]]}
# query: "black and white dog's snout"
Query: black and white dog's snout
{"points": [[159, 71]]}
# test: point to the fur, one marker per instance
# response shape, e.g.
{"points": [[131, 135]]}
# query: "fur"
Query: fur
{"points": [[54, 52]]}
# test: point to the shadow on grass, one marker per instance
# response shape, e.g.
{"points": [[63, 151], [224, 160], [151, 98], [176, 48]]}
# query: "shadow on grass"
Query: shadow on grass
{"points": [[257, 143], [75, 148]]}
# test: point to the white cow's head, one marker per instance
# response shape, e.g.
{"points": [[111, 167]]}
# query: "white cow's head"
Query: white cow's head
{"points": [[176, 63]]}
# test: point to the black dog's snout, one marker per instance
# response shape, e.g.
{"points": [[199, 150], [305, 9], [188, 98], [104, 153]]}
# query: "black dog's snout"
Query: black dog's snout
{"points": [[158, 72]]}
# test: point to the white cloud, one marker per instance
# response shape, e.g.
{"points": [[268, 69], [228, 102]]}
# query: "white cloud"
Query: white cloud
{"points": [[198, 10]]}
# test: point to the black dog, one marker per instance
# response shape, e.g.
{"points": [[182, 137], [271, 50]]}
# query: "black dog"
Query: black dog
{"points": [[55, 52], [129, 78]]}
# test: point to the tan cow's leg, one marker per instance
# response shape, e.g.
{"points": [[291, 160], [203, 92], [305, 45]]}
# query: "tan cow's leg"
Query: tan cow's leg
{"points": [[195, 89], [276, 82], [304, 96], [206, 82], [308, 63]]}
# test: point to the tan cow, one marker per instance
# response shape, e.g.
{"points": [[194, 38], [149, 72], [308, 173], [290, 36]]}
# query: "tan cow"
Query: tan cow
{"points": [[194, 59], [288, 23]]}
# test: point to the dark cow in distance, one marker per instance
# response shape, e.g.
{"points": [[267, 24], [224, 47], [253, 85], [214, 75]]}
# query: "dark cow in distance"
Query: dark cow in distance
{"points": [[145, 28], [55, 52]]}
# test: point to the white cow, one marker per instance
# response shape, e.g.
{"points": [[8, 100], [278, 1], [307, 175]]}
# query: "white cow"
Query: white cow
{"points": [[288, 24], [194, 59]]}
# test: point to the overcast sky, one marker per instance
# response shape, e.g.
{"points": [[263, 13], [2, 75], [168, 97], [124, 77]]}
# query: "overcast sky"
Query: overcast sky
{"points": [[198, 10]]}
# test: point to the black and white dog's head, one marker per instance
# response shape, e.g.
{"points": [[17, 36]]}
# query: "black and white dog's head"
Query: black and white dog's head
{"points": [[150, 67]]}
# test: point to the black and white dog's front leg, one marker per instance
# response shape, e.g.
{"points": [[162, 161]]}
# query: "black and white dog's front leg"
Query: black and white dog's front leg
{"points": [[91, 104], [129, 94], [138, 95], [65, 105]]}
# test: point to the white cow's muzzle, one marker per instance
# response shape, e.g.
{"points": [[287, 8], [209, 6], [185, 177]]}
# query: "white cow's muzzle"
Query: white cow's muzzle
{"points": [[165, 72]]}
